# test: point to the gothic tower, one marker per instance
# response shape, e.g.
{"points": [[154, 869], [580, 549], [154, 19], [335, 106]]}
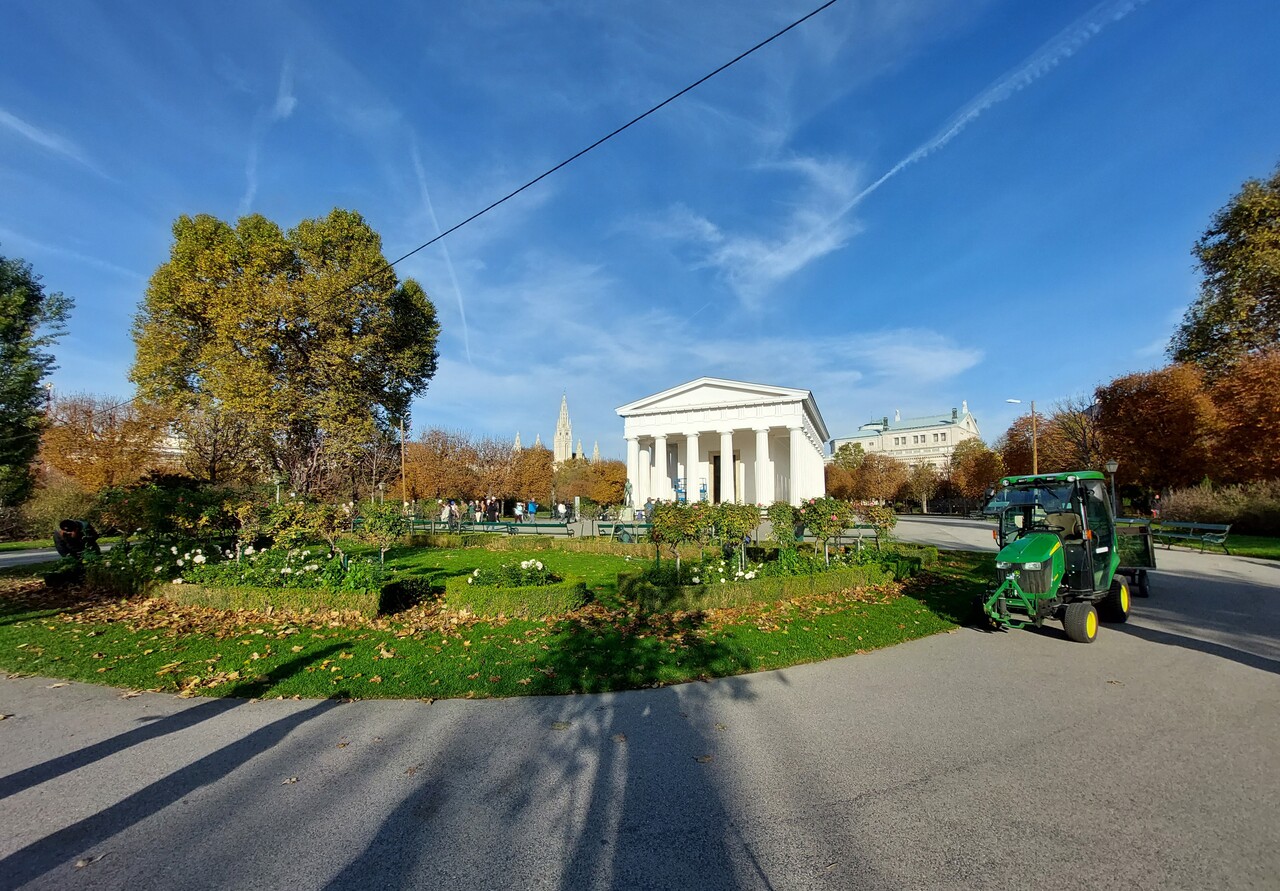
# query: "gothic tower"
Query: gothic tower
{"points": [[564, 434]]}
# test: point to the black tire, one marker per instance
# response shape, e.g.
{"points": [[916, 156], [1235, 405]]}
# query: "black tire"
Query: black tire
{"points": [[1115, 608], [1080, 621], [1144, 584]]}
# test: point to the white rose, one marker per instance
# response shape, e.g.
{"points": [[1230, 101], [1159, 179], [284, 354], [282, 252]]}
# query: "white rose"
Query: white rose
{"points": [[158, 568], [173, 550]]}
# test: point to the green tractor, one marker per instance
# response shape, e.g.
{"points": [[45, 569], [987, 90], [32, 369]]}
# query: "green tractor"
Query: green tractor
{"points": [[1061, 553]]}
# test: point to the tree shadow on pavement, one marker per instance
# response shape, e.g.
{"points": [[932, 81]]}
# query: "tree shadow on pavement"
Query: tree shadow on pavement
{"points": [[1252, 660], [55, 849], [161, 726], [615, 790]]}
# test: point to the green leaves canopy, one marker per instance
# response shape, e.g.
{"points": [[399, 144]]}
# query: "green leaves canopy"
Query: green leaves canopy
{"points": [[30, 321], [306, 337], [1238, 311]]}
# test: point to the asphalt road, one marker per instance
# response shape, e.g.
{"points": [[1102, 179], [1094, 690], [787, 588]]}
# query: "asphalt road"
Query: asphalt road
{"points": [[967, 760]]}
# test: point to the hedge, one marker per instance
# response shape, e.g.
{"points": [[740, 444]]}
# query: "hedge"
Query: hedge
{"points": [[634, 587], [367, 603], [533, 602]]}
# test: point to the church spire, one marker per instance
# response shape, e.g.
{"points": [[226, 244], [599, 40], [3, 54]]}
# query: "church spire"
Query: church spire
{"points": [[516, 447], [563, 443], [595, 453]]}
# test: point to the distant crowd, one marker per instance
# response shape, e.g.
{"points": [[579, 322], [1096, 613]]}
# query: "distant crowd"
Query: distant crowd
{"points": [[490, 510]]}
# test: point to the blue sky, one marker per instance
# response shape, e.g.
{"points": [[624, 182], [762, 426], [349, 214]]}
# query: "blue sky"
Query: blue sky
{"points": [[1049, 166]]}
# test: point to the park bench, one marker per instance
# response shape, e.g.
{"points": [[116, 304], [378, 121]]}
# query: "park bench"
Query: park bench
{"points": [[851, 535], [622, 530], [538, 528], [1205, 533]]}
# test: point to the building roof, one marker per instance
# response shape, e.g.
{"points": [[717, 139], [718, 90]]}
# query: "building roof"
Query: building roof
{"points": [[719, 392], [877, 427]]}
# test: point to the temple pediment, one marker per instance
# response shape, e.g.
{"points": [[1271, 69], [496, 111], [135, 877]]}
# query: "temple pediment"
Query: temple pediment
{"points": [[710, 392]]}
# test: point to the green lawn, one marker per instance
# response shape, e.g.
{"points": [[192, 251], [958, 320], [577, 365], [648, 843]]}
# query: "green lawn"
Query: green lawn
{"points": [[146, 644], [1240, 546], [25, 545]]}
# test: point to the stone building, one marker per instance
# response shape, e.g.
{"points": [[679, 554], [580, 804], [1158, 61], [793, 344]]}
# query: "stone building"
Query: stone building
{"points": [[721, 440], [914, 441]]}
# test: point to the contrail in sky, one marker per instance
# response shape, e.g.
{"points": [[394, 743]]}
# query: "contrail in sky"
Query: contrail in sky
{"points": [[1060, 48], [444, 248]]}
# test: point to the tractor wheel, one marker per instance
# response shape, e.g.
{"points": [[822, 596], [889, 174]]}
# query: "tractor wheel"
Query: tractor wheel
{"points": [[1144, 584], [1115, 608], [1081, 622]]}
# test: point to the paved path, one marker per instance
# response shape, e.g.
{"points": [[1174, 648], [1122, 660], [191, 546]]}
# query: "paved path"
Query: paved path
{"points": [[968, 760]]}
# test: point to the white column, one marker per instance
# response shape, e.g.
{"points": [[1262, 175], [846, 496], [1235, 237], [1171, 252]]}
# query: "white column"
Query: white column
{"points": [[727, 493], [633, 469], [661, 477], [797, 464], [764, 466], [692, 468], [645, 476]]}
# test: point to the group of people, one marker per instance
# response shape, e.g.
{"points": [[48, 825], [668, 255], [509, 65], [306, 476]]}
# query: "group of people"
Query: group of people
{"points": [[489, 510]]}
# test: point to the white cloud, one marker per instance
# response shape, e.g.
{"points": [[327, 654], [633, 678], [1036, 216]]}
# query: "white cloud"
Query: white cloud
{"points": [[566, 326], [52, 142], [812, 225], [286, 101]]}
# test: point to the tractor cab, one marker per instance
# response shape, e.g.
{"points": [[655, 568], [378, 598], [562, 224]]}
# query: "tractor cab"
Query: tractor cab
{"points": [[1058, 555], [1075, 509]]}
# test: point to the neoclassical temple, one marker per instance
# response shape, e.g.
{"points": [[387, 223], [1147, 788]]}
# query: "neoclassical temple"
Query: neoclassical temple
{"points": [[720, 440]]}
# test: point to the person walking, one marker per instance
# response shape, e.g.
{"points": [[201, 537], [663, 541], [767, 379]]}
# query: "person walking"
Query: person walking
{"points": [[519, 511]]}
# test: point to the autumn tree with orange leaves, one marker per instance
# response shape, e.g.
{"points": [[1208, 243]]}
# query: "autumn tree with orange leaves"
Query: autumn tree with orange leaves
{"points": [[1159, 425]]}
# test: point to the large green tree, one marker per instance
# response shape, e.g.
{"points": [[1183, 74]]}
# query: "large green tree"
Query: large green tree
{"points": [[1238, 310], [30, 321], [305, 337]]}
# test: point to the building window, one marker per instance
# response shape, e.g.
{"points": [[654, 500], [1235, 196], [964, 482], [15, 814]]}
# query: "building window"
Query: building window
{"points": [[944, 436]]}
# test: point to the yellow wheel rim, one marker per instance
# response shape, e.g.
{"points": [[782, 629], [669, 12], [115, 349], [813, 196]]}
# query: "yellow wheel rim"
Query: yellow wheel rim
{"points": [[1124, 598], [1091, 625]]}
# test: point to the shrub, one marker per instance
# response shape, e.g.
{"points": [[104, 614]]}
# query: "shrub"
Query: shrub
{"points": [[525, 574], [1251, 509], [287, 568], [59, 498]]}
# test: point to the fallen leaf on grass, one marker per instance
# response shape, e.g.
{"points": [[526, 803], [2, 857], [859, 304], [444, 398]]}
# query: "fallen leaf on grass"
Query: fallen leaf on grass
{"points": [[376, 679]]}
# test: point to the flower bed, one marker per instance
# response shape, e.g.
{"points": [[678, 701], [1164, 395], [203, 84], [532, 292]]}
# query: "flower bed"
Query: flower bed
{"points": [[527, 590]]}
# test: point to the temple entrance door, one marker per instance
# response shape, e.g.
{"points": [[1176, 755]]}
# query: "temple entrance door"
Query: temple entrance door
{"points": [[738, 476]]}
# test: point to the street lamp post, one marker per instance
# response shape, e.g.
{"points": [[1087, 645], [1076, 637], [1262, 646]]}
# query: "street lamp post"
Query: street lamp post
{"points": [[1112, 466], [1035, 456]]}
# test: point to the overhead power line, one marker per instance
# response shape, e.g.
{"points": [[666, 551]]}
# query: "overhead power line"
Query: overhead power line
{"points": [[603, 139], [546, 173]]}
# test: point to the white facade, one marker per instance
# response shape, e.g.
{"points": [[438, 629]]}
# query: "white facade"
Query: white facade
{"points": [[677, 440], [915, 441]]}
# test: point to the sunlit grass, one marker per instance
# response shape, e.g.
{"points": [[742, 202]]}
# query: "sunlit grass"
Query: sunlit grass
{"points": [[603, 647]]}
